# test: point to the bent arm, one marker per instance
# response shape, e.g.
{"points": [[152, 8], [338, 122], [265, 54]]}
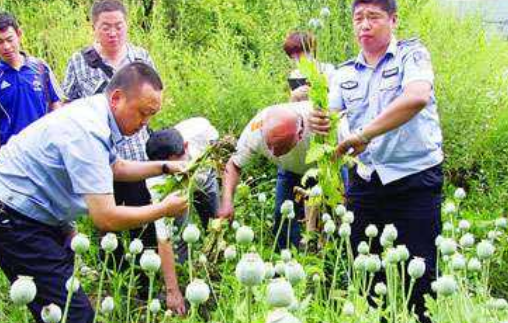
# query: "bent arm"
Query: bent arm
{"points": [[107, 216], [415, 97]]}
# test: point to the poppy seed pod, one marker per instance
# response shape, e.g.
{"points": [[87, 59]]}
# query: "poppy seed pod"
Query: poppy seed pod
{"points": [[448, 247], [280, 268], [345, 230], [109, 242], [389, 233], [287, 207], [380, 289], [280, 293], [474, 265], [460, 193], [191, 233], [250, 270], [197, 292], [244, 235], [72, 284], [340, 210], [269, 270], [325, 12], [416, 268], [285, 255], [467, 240], [363, 248], [485, 250], [51, 313], [326, 217], [230, 253], [150, 261], [373, 263], [23, 290], [446, 285], [107, 305], [154, 306], [349, 217], [136, 247], [294, 272], [80, 243], [330, 227], [281, 316], [371, 231], [449, 208], [348, 309], [262, 198]]}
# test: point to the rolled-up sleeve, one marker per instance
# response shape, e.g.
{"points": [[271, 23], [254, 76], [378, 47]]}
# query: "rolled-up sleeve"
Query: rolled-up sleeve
{"points": [[247, 145]]}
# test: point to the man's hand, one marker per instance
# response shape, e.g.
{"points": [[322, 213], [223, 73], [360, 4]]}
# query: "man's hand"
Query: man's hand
{"points": [[175, 204], [175, 301], [319, 122], [226, 210], [352, 145], [301, 93], [175, 167]]}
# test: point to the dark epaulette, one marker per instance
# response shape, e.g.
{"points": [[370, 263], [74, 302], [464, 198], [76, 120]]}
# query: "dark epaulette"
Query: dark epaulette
{"points": [[409, 41], [351, 61]]}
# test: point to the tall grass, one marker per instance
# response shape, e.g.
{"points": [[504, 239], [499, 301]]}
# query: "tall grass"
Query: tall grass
{"points": [[223, 60]]}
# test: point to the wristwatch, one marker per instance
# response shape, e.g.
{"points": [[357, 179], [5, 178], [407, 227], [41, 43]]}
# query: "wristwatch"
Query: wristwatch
{"points": [[165, 169], [361, 135]]}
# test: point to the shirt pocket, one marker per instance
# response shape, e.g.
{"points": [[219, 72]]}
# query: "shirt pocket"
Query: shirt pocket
{"points": [[353, 100], [391, 79]]}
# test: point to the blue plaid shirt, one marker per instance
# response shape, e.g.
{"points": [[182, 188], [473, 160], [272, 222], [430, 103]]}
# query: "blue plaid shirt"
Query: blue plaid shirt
{"points": [[81, 80], [364, 92]]}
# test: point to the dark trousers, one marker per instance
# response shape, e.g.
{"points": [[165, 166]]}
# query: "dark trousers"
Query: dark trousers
{"points": [[413, 205], [135, 194], [30, 248]]}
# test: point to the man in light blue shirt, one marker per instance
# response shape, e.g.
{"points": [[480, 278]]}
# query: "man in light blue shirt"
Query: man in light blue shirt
{"points": [[388, 95], [61, 167]]}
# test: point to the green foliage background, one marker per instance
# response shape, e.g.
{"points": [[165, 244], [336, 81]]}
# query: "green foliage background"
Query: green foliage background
{"points": [[223, 59]]}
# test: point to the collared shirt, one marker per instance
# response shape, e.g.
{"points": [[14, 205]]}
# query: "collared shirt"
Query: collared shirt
{"points": [[81, 80], [46, 170], [25, 95], [366, 91]]}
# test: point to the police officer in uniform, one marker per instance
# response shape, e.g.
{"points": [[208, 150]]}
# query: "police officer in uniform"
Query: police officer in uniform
{"points": [[387, 92]]}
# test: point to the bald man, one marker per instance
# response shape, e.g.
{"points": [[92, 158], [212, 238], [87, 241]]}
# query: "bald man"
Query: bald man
{"points": [[281, 134]]}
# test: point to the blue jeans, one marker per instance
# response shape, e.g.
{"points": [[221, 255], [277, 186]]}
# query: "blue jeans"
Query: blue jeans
{"points": [[286, 182], [30, 248]]}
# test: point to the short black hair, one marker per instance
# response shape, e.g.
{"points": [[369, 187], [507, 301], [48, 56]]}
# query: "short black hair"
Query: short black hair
{"points": [[132, 76], [164, 144], [8, 20], [100, 6], [390, 6]]}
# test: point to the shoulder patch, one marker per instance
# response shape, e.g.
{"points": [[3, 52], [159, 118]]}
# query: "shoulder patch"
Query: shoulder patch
{"points": [[256, 125], [409, 41], [347, 63]]}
